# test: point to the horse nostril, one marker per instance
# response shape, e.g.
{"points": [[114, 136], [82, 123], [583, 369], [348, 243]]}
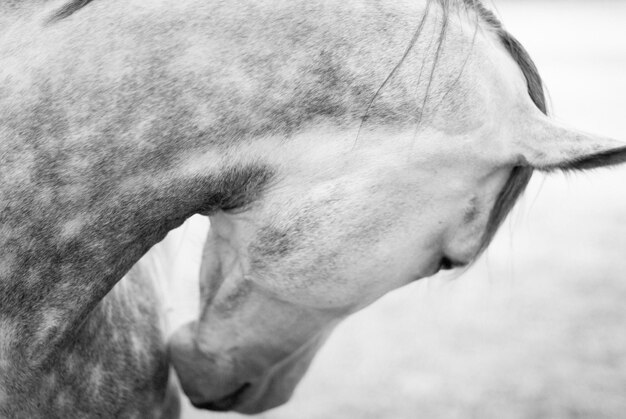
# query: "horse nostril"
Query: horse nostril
{"points": [[225, 403]]}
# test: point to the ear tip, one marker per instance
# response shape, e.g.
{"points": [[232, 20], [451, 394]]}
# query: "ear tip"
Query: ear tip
{"points": [[610, 157], [603, 158]]}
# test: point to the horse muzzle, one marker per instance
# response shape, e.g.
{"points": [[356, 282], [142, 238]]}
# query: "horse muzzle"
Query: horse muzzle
{"points": [[218, 382]]}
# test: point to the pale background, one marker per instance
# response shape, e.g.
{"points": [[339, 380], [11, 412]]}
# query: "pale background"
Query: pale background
{"points": [[537, 328]]}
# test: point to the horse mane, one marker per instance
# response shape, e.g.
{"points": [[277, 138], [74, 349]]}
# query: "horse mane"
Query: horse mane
{"points": [[68, 9], [520, 175]]}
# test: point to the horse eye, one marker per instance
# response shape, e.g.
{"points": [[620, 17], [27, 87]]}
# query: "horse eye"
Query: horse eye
{"points": [[446, 264]]}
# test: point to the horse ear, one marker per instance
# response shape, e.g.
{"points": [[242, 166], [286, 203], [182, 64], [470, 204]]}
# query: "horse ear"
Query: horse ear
{"points": [[547, 145]]}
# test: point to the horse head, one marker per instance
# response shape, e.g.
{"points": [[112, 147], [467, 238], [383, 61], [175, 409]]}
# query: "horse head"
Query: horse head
{"points": [[353, 212]]}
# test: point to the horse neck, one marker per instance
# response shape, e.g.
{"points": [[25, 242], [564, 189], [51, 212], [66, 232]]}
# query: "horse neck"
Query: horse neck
{"points": [[124, 337], [72, 227], [97, 167], [116, 366]]}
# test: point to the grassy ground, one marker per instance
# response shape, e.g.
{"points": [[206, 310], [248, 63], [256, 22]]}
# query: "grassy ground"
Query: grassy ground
{"points": [[537, 329]]}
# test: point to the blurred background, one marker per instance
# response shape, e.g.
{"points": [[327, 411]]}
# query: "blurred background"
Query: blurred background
{"points": [[537, 328]]}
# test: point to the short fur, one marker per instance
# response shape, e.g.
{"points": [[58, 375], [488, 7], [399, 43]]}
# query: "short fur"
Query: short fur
{"points": [[94, 142]]}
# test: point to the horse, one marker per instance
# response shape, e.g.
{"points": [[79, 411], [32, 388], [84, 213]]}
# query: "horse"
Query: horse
{"points": [[340, 149]]}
